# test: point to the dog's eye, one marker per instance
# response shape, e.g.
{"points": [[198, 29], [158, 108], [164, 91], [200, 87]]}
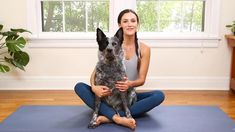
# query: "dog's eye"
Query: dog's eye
{"points": [[114, 44]]}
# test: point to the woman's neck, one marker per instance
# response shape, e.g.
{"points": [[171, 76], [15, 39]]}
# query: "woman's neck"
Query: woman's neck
{"points": [[129, 40]]}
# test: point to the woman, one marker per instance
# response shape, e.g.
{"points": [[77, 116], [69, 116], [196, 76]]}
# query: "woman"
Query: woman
{"points": [[137, 58]]}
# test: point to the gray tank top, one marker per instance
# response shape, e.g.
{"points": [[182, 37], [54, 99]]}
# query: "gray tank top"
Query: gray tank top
{"points": [[132, 66]]}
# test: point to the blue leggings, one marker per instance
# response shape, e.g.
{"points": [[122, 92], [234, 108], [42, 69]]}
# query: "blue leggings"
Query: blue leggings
{"points": [[145, 101]]}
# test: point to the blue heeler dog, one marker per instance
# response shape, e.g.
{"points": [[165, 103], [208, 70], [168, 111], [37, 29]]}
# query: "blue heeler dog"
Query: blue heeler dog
{"points": [[110, 69]]}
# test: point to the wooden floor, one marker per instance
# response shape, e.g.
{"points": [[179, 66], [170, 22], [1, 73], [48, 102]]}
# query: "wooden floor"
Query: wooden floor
{"points": [[11, 100]]}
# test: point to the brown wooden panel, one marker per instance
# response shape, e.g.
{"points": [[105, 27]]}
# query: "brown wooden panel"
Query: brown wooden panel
{"points": [[233, 64], [232, 83], [231, 42]]}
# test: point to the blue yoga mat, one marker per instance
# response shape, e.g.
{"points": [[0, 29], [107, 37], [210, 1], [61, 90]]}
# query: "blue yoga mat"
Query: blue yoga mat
{"points": [[160, 119]]}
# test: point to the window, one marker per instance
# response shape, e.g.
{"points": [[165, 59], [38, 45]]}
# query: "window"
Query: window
{"points": [[171, 15], [74, 16], [161, 21], [155, 15]]}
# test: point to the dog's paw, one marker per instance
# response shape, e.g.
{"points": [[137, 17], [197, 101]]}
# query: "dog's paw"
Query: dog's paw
{"points": [[92, 125]]}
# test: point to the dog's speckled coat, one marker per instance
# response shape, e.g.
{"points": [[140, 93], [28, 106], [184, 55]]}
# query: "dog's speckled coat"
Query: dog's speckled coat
{"points": [[109, 69]]}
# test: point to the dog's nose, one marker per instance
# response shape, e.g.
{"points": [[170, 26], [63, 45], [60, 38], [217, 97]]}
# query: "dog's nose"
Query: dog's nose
{"points": [[109, 50]]}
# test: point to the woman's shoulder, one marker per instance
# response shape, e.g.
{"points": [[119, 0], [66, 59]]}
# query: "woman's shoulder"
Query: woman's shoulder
{"points": [[144, 48]]}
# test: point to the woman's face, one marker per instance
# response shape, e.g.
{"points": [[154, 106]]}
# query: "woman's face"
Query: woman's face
{"points": [[129, 24]]}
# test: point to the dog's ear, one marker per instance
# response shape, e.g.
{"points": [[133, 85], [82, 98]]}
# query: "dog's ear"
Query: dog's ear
{"points": [[101, 39], [99, 35], [119, 35]]}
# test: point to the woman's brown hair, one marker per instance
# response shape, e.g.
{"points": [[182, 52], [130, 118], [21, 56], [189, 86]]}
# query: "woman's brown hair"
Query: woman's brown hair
{"points": [[137, 17]]}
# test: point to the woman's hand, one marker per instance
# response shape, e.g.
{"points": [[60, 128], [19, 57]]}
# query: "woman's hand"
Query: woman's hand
{"points": [[101, 91], [123, 85]]}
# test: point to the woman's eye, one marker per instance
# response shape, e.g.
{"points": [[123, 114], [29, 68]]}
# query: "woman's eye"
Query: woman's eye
{"points": [[133, 21]]}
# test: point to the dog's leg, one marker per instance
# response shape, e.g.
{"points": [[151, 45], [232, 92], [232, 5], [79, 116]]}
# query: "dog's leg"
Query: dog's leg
{"points": [[125, 104], [93, 123]]}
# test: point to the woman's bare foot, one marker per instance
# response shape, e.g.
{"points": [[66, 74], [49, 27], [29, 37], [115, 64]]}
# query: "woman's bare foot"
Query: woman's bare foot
{"points": [[128, 122], [102, 119]]}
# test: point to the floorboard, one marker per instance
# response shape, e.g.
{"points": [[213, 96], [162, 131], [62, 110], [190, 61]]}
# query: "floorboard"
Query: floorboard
{"points": [[12, 99]]}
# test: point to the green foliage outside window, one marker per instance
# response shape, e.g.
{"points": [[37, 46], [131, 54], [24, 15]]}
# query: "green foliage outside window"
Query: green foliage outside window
{"points": [[171, 15], [75, 16], [155, 15]]}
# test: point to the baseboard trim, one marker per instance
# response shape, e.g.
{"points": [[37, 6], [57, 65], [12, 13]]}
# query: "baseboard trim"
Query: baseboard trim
{"points": [[152, 83]]}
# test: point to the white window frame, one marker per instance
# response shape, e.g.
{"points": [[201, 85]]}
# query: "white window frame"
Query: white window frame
{"points": [[208, 38]]}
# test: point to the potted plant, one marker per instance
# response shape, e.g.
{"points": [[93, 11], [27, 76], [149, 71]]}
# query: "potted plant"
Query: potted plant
{"points": [[11, 44], [232, 27]]}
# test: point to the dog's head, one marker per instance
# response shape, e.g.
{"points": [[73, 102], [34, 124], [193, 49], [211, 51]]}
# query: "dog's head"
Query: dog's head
{"points": [[110, 49]]}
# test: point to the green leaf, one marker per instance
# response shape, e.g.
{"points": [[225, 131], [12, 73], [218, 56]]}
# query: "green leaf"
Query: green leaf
{"points": [[16, 64], [13, 62], [4, 68], [9, 33], [228, 25], [22, 58], [20, 30], [7, 59], [13, 36], [16, 45], [1, 26], [233, 30]]}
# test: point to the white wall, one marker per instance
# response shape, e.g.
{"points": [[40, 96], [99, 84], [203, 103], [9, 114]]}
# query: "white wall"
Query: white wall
{"points": [[171, 68]]}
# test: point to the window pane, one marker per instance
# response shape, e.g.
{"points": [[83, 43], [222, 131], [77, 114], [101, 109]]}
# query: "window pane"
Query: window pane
{"points": [[98, 13], [52, 16], [168, 15], [171, 15], [75, 16], [148, 15]]}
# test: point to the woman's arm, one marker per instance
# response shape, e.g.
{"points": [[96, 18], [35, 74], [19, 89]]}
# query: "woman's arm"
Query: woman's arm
{"points": [[143, 66], [92, 78]]}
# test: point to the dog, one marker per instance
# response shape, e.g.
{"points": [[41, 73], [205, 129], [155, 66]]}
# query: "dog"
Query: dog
{"points": [[110, 68]]}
